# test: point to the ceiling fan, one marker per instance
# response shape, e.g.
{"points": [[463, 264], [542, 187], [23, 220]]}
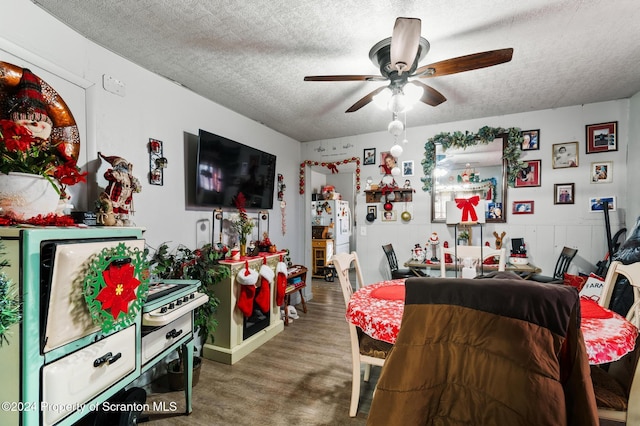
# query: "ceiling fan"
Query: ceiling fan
{"points": [[398, 56]]}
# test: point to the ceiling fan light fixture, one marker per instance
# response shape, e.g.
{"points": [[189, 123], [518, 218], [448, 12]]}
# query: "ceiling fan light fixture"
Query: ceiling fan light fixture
{"points": [[397, 103], [395, 127], [382, 99], [412, 93]]}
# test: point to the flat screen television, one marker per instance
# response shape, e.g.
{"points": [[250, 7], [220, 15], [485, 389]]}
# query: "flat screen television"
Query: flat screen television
{"points": [[224, 168]]}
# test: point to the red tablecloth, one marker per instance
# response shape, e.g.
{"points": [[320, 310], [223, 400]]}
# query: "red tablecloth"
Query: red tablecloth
{"points": [[377, 309]]}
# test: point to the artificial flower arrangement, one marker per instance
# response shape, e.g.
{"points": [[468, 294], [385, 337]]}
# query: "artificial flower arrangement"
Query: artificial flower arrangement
{"points": [[20, 151], [243, 224]]}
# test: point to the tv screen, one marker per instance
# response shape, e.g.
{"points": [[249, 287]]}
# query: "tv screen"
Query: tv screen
{"points": [[225, 168]]}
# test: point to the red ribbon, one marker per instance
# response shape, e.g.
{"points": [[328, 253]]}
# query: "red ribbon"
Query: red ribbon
{"points": [[332, 167], [467, 205]]}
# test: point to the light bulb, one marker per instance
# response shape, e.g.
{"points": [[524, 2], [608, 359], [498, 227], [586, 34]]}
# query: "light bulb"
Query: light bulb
{"points": [[397, 103], [382, 99], [395, 127], [395, 171], [412, 93], [396, 150]]}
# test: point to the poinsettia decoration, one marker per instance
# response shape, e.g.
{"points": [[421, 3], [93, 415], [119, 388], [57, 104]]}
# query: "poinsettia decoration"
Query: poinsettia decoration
{"points": [[116, 286]]}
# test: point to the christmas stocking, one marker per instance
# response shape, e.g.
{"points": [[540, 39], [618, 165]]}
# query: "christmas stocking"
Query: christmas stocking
{"points": [[247, 278], [263, 298], [281, 282]]}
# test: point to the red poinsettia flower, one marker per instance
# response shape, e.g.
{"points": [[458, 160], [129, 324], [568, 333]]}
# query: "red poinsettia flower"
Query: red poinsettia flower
{"points": [[120, 288], [15, 136]]}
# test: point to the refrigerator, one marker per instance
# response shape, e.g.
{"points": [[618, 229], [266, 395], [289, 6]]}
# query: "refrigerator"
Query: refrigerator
{"points": [[335, 215]]}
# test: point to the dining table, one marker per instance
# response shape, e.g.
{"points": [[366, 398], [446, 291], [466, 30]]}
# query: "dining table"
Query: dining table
{"points": [[377, 309], [416, 266]]}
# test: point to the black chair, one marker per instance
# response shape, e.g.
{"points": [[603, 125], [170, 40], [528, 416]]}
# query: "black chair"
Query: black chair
{"points": [[393, 265], [566, 256]]}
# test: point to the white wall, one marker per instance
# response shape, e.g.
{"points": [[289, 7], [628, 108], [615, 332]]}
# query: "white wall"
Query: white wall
{"points": [[153, 107], [546, 231], [633, 159]]}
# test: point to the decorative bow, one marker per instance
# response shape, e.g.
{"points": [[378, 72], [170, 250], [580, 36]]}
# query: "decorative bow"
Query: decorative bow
{"points": [[332, 167], [467, 205]]}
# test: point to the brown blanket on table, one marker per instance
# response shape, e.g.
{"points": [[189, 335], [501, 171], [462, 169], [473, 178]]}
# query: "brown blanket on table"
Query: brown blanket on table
{"points": [[501, 352]]}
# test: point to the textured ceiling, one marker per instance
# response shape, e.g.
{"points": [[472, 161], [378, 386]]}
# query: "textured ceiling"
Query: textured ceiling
{"points": [[251, 56]]}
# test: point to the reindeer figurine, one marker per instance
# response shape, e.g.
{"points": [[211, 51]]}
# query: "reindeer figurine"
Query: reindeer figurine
{"points": [[499, 239]]}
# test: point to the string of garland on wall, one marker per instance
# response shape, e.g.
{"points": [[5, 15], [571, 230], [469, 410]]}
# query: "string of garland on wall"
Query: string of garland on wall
{"points": [[511, 151]]}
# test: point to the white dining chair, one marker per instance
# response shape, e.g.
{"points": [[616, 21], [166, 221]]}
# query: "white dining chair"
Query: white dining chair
{"points": [[364, 349], [632, 273], [473, 252]]}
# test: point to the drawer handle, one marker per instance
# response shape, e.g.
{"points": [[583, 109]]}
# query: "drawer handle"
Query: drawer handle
{"points": [[115, 358], [173, 334], [104, 358]]}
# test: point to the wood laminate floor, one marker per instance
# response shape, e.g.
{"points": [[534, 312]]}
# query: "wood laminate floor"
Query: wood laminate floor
{"points": [[300, 377]]}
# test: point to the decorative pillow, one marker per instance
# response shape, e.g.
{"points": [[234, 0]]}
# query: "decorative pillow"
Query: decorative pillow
{"points": [[576, 281], [593, 288]]}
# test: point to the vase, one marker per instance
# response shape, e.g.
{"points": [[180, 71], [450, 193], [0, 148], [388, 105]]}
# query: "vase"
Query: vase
{"points": [[243, 250], [25, 195]]}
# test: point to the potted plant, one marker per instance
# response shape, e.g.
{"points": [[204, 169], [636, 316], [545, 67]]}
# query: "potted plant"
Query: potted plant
{"points": [[199, 264], [463, 238], [9, 304]]}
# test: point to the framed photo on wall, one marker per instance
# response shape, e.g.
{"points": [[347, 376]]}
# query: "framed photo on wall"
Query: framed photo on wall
{"points": [[596, 204], [389, 216], [373, 210], [387, 163], [369, 157], [529, 175], [563, 193], [530, 140], [602, 172], [522, 207], [565, 155], [407, 168], [602, 137]]}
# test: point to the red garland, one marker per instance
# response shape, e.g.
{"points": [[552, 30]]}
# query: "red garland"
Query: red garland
{"points": [[331, 166], [48, 220]]}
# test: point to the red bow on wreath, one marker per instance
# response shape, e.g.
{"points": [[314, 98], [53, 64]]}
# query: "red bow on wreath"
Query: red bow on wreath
{"points": [[467, 205]]}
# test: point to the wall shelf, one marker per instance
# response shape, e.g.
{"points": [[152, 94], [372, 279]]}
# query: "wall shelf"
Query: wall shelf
{"points": [[402, 194]]}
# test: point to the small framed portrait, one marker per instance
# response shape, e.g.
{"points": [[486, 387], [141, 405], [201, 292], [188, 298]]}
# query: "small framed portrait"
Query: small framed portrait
{"points": [[530, 140], [563, 193], [407, 168], [565, 155], [369, 157], [596, 204], [522, 207], [529, 175], [602, 172], [387, 163], [389, 216], [602, 137], [372, 210]]}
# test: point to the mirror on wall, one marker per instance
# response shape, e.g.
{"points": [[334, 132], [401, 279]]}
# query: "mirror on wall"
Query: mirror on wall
{"points": [[462, 172]]}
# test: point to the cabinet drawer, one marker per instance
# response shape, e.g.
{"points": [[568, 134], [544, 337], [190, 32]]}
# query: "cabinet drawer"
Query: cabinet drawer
{"points": [[318, 244], [160, 339], [75, 379]]}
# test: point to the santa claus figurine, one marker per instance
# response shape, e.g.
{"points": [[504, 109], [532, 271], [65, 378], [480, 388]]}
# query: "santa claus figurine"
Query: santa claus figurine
{"points": [[119, 192]]}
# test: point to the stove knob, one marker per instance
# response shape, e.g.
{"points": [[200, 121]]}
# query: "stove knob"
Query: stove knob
{"points": [[192, 296], [179, 302], [163, 310], [172, 305], [185, 299]]}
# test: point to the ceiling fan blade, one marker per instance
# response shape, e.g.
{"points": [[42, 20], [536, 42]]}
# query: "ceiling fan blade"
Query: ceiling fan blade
{"points": [[365, 100], [345, 78], [465, 63], [430, 96], [404, 43]]}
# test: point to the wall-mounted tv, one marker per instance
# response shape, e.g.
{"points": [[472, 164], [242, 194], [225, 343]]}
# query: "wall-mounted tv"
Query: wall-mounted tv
{"points": [[224, 168]]}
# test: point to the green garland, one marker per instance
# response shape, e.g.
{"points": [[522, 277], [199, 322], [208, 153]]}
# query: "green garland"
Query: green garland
{"points": [[485, 135], [9, 303]]}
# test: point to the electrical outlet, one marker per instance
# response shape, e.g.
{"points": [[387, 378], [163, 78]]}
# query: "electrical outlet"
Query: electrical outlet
{"points": [[363, 231], [113, 85]]}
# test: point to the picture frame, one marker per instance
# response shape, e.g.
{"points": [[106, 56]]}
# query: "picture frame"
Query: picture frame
{"points": [[565, 155], [369, 156], [407, 168], [602, 172], [387, 162], [373, 210], [564, 193], [530, 140], [595, 204], [523, 207], [602, 137], [389, 216], [529, 175]]}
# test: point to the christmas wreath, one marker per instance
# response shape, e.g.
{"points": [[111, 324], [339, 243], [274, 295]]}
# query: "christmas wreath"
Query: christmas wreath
{"points": [[116, 286]]}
